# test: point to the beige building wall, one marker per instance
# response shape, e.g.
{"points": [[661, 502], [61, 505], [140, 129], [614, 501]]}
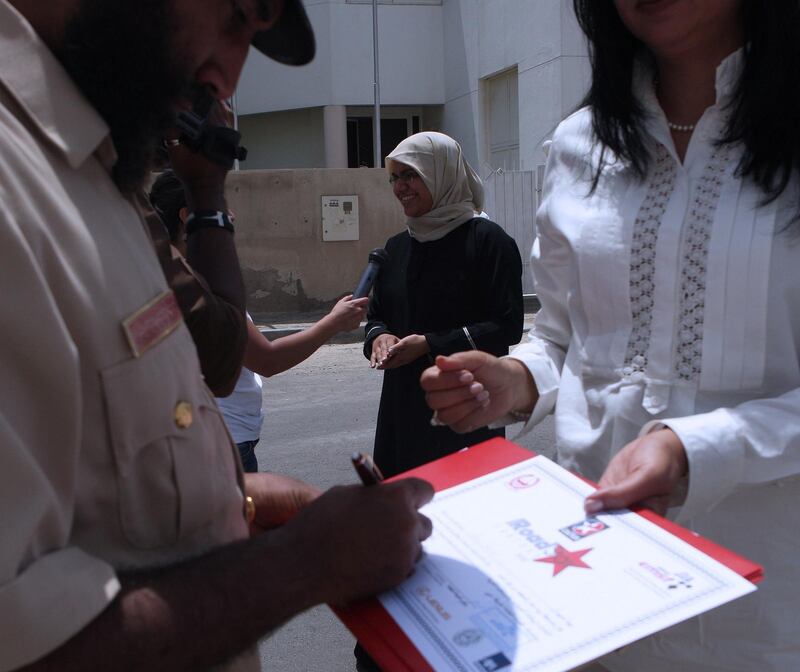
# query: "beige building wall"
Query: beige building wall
{"points": [[288, 139], [286, 265]]}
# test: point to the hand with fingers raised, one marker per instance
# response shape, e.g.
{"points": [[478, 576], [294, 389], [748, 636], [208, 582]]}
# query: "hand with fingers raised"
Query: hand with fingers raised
{"points": [[404, 351], [471, 389], [380, 350]]}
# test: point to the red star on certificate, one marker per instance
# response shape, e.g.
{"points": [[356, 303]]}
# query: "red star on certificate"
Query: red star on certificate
{"points": [[563, 558]]}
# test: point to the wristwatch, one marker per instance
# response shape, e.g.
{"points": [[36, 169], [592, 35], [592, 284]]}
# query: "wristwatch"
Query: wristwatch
{"points": [[208, 219]]}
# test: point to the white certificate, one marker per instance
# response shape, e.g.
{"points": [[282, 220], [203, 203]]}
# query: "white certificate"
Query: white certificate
{"points": [[517, 577]]}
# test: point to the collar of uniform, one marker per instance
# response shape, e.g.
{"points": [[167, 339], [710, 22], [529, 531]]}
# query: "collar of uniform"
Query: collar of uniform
{"points": [[40, 85]]}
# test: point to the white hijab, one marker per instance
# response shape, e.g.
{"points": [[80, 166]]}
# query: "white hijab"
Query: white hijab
{"points": [[456, 189]]}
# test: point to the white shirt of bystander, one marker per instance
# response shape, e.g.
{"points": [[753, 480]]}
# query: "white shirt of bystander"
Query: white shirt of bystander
{"points": [[674, 301]]}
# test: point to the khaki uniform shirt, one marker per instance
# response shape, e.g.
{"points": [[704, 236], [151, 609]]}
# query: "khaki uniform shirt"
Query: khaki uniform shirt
{"points": [[108, 460]]}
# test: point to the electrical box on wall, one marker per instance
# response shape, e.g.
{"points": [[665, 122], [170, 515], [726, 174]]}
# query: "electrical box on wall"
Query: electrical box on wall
{"points": [[339, 218]]}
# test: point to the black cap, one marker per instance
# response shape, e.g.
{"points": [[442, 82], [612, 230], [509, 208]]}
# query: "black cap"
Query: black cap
{"points": [[291, 39]]}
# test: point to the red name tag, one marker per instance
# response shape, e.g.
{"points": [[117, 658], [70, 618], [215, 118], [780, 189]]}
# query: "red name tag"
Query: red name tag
{"points": [[152, 323]]}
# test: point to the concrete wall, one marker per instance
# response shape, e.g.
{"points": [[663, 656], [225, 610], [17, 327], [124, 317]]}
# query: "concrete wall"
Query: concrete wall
{"points": [[287, 267]]}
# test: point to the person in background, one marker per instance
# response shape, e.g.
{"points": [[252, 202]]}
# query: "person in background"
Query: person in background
{"points": [[242, 409], [205, 276], [666, 265], [452, 282]]}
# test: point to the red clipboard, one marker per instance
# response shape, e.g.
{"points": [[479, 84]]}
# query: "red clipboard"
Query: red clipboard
{"points": [[378, 632]]}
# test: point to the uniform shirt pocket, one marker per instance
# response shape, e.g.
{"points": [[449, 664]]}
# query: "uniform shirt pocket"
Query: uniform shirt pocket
{"points": [[174, 462]]}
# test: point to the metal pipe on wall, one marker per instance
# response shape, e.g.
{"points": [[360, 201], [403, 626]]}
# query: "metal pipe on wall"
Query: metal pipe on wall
{"points": [[376, 125]]}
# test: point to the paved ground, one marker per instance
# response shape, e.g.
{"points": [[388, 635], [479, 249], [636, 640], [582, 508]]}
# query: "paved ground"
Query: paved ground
{"points": [[316, 415]]}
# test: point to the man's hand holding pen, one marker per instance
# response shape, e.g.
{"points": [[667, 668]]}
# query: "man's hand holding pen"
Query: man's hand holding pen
{"points": [[374, 550]]}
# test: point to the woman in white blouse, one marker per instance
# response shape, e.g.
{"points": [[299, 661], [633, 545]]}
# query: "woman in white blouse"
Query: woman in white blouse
{"points": [[666, 263]]}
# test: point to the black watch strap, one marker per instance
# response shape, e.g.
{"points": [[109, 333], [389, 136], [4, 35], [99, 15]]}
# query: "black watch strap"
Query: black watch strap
{"points": [[208, 219]]}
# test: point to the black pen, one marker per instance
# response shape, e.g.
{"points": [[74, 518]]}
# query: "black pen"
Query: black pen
{"points": [[366, 469]]}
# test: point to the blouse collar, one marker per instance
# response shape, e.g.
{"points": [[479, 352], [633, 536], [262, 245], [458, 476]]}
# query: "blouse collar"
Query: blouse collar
{"points": [[727, 76]]}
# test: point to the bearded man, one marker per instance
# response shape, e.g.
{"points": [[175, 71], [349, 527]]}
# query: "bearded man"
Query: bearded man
{"points": [[125, 544]]}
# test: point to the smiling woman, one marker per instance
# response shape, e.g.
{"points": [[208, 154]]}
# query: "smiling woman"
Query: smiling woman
{"points": [[452, 283], [410, 189]]}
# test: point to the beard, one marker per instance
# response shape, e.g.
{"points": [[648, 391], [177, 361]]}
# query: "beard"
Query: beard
{"points": [[120, 54]]}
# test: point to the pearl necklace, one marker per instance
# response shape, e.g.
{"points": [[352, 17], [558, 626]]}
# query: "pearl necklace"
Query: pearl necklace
{"points": [[681, 128]]}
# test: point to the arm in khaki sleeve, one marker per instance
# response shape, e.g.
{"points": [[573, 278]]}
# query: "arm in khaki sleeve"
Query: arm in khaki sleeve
{"points": [[350, 543], [209, 282], [217, 323], [48, 590]]}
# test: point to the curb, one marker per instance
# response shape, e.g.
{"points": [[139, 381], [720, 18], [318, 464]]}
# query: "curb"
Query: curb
{"points": [[355, 336], [529, 301]]}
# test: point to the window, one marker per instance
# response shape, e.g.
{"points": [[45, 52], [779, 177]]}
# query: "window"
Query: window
{"points": [[502, 122]]}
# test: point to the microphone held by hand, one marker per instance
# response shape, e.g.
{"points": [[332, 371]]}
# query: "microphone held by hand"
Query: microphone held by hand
{"points": [[377, 257]]}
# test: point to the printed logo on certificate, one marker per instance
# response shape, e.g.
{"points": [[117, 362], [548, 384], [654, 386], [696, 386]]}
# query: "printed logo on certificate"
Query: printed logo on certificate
{"points": [[496, 662], [585, 528], [562, 558], [523, 482], [468, 637], [661, 578]]}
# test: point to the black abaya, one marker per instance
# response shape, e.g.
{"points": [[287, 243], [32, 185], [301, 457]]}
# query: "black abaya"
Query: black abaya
{"points": [[462, 292]]}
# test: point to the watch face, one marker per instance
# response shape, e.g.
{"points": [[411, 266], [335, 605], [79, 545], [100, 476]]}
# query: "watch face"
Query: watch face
{"points": [[208, 219]]}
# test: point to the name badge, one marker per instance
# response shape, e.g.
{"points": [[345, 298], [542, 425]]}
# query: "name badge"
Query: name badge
{"points": [[152, 323]]}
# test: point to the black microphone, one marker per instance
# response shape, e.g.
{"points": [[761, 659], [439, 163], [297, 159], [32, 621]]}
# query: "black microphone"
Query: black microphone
{"points": [[368, 277]]}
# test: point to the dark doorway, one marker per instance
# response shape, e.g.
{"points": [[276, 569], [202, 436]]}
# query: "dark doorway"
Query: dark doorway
{"points": [[359, 142], [360, 148]]}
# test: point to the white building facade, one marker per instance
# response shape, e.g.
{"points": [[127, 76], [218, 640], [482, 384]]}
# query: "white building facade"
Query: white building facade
{"points": [[497, 75]]}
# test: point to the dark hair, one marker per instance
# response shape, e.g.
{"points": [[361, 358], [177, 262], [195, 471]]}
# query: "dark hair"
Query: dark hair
{"points": [[167, 198], [765, 110]]}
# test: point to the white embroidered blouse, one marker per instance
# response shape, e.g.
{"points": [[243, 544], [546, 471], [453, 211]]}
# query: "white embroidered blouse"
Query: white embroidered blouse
{"points": [[676, 300]]}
